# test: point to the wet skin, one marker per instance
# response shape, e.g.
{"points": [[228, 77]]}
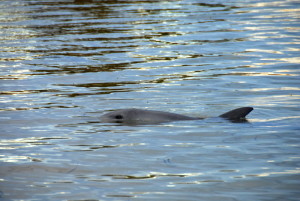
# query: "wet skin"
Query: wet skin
{"points": [[141, 116]]}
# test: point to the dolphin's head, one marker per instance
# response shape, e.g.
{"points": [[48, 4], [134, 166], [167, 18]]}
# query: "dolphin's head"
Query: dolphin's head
{"points": [[118, 116]]}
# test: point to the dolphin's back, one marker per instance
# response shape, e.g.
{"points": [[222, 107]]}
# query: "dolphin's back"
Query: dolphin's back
{"points": [[163, 116], [141, 116]]}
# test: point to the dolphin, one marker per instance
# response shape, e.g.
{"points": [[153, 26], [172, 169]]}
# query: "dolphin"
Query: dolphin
{"points": [[141, 116]]}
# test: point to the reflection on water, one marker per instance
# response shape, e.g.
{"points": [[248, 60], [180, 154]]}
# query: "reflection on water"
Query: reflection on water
{"points": [[63, 64]]}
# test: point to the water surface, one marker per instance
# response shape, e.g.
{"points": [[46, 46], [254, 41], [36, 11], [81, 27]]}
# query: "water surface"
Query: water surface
{"points": [[63, 64]]}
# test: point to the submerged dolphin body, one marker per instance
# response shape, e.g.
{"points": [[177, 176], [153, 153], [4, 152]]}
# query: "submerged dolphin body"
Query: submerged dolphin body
{"points": [[140, 116]]}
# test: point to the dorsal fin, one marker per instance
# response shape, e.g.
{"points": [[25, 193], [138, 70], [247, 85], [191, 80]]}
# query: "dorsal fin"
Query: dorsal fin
{"points": [[236, 114]]}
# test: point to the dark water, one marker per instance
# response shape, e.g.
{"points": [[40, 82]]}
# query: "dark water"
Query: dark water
{"points": [[64, 63]]}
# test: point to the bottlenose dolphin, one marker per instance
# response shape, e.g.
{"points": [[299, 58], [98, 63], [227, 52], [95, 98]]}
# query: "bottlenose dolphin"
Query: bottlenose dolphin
{"points": [[141, 116]]}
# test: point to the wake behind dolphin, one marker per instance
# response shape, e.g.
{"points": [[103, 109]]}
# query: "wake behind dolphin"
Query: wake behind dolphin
{"points": [[141, 116]]}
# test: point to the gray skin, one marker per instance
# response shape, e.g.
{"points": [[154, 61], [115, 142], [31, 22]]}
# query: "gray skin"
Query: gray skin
{"points": [[141, 116]]}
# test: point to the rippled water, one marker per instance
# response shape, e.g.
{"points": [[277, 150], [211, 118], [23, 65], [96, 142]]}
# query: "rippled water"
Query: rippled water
{"points": [[65, 63]]}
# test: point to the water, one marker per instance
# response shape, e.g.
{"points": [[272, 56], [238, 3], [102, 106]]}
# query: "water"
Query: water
{"points": [[65, 63]]}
